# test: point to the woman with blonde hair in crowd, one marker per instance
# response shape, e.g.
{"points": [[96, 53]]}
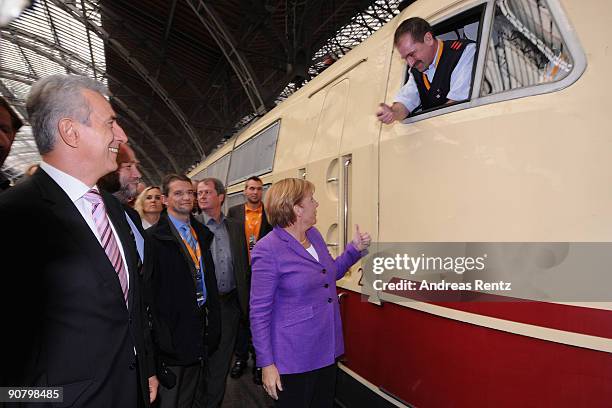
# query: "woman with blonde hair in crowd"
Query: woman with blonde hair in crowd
{"points": [[149, 206], [295, 316]]}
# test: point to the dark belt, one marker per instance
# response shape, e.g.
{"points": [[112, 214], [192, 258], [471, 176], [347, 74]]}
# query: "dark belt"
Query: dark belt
{"points": [[227, 295]]}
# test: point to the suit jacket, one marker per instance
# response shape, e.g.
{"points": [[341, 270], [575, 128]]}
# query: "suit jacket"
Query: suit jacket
{"points": [[240, 260], [65, 319], [295, 316], [237, 213], [182, 334]]}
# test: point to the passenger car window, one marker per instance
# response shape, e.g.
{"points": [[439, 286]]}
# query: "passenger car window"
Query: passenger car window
{"points": [[255, 156], [217, 169], [525, 48]]}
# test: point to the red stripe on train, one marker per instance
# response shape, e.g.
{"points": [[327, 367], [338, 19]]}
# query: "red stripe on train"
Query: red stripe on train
{"points": [[593, 322], [431, 361]]}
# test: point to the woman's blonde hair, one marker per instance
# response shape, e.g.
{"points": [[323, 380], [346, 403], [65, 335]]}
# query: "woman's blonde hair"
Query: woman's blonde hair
{"points": [[139, 203], [281, 198]]}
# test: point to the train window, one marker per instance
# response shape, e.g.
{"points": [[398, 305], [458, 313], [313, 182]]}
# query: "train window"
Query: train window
{"points": [[255, 156], [218, 169], [525, 48]]}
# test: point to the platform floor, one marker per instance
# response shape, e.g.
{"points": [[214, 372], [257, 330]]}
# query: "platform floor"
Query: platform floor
{"points": [[243, 393]]}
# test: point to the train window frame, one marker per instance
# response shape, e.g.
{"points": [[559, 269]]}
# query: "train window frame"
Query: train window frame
{"points": [[198, 176], [566, 31], [245, 144]]}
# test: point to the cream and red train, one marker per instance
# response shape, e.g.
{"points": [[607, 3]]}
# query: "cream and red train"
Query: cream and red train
{"points": [[526, 159]]}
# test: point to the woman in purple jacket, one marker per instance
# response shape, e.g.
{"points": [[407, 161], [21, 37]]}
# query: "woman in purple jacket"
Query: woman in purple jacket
{"points": [[295, 317]]}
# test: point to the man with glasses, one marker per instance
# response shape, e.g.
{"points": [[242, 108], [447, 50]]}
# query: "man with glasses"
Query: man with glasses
{"points": [[186, 304], [232, 271]]}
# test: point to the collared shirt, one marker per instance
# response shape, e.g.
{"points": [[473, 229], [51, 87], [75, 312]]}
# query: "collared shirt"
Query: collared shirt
{"points": [[252, 224], [138, 238], [76, 189], [222, 253], [179, 224], [460, 82]]}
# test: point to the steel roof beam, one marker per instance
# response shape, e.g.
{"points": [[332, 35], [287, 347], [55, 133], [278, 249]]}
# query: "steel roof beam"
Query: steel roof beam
{"points": [[118, 19], [224, 40], [164, 46], [91, 53], [52, 24], [137, 66], [21, 109], [73, 70], [15, 35]]}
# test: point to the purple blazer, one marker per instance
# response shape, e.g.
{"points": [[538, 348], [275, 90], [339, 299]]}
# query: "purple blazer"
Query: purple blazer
{"points": [[295, 316]]}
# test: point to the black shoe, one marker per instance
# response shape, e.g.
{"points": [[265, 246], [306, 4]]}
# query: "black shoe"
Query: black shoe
{"points": [[257, 376], [238, 368]]}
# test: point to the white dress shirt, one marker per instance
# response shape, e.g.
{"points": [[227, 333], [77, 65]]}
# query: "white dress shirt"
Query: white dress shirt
{"points": [[312, 251], [460, 82], [76, 189]]}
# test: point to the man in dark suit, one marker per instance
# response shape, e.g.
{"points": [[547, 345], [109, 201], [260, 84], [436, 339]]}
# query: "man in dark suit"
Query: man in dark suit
{"points": [[10, 124], [186, 311], [252, 216], [72, 305], [123, 184], [233, 274]]}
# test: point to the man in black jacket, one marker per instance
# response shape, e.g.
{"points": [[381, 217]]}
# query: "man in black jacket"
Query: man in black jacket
{"points": [[122, 183], [252, 217], [72, 305], [186, 308]]}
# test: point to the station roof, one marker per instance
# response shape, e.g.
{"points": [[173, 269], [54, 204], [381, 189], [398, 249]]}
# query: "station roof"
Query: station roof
{"points": [[184, 74]]}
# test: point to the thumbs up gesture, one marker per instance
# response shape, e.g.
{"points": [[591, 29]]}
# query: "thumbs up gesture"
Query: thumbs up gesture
{"points": [[361, 240]]}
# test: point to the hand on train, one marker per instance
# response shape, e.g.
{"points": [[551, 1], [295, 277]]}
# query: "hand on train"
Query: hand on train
{"points": [[271, 380], [385, 113], [361, 240]]}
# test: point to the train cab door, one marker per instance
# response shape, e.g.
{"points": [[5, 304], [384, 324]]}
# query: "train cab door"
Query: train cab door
{"points": [[328, 170]]}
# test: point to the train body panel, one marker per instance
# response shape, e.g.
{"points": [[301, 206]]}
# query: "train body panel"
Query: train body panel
{"points": [[522, 164]]}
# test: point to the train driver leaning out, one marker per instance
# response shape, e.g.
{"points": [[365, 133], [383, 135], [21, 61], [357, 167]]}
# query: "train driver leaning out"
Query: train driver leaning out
{"points": [[440, 71]]}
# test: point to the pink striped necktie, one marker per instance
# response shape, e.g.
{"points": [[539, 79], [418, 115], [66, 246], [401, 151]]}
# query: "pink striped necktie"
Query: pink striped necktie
{"points": [[107, 238]]}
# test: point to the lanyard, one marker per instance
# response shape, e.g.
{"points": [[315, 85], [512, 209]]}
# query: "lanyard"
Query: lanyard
{"points": [[197, 256], [440, 48]]}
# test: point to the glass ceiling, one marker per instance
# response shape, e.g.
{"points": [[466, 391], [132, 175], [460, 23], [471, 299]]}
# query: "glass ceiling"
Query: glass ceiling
{"points": [[45, 40], [50, 38]]}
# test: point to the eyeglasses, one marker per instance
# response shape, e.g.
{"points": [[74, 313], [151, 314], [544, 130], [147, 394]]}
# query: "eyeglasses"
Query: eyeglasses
{"points": [[206, 193]]}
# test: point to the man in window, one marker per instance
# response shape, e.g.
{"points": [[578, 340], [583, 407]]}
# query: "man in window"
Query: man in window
{"points": [[440, 71]]}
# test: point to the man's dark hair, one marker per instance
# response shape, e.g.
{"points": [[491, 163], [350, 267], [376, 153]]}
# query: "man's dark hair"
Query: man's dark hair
{"points": [[16, 122], [169, 178], [415, 26], [254, 178]]}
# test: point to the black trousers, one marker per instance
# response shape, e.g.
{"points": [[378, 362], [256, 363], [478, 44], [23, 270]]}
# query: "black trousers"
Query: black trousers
{"points": [[243, 341], [189, 391], [312, 389], [220, 362]]}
